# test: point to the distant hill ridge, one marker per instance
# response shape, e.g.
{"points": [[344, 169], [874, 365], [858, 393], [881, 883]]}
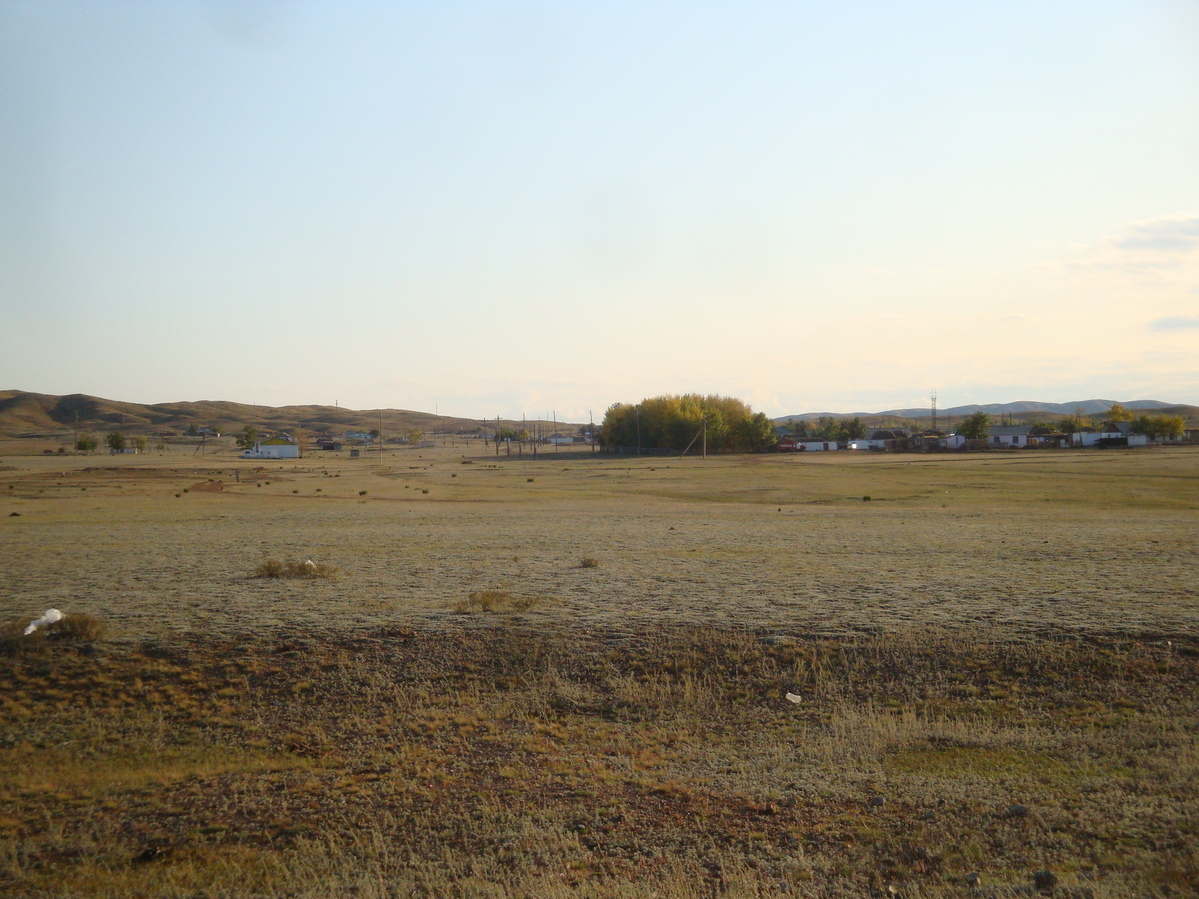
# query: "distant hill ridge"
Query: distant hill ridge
{"points": [[1020, 407], [24, 414]]}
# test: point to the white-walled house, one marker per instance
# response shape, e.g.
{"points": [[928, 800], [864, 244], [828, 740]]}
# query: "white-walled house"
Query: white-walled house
{"points": [[1008, 435], [275, 448], [1107, 438]]}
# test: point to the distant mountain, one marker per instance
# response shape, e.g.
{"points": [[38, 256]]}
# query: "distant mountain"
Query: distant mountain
{"points": [[24, 414], [1089, 407], [1021, 407]]}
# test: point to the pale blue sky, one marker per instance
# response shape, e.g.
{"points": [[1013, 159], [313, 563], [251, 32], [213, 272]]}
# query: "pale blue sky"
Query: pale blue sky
{"points": [[514, 208]]}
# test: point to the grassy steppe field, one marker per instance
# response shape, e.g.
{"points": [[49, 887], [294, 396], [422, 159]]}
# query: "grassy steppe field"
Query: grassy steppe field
{"points": [[569, 676]]}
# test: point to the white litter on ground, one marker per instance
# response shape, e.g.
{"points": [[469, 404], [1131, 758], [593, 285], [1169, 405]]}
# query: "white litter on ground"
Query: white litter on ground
{"points": [[794, 697], [48, 617]]}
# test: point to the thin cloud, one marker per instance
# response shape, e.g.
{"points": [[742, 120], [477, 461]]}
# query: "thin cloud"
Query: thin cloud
{"points": [[1171, 234], [1151, 250], [1176, 323]]}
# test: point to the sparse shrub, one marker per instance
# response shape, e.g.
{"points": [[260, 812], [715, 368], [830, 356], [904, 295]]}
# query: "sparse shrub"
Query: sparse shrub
{"points": [[529, 481], [497, 601], [866, 498], [362, 493], [426, 490], [77, 629], [589, 562], [274, 568]]}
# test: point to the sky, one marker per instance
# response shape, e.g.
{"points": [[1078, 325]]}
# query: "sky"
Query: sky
{"points": [[522, 208]]}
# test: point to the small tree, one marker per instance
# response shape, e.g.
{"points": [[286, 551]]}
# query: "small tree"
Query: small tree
{"points": [[86, 443], [116, 442], [414, 435], [140, 443], [854, 429], [247, 438], [976, 426], [1073, 424], [1118, 414]]}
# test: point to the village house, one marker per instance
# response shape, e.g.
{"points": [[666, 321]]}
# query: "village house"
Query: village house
{"points": [[275, 448], [792, 444], [1107, 439], [1007, 435]]}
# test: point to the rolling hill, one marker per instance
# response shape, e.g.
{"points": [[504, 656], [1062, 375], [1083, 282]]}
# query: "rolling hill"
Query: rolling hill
{"points": [[39, 415], [24, 414], [1019, 411]]}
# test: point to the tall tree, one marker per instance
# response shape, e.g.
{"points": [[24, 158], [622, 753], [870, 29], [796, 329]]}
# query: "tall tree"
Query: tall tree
{"points": [[976, 426]]}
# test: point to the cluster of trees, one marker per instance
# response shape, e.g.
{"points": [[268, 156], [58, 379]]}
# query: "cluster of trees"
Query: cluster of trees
{"points": [[673, 422], [827, 428], [115, 441], [1153, 425]]}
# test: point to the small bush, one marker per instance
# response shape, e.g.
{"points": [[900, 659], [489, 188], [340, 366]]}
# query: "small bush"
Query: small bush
{"points": [[866, 498], [76, 629], [497, 601], [589, 563], [273, 568], [362, 493]]}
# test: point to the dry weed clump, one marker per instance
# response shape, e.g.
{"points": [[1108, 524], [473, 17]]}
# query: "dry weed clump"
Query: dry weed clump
{"points": [[77, 629], [274, 568], [497, 601]]}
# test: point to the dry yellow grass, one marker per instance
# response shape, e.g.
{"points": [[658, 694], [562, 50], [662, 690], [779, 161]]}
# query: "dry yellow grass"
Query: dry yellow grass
{"points": [[1083, 540], [996, 657]]}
